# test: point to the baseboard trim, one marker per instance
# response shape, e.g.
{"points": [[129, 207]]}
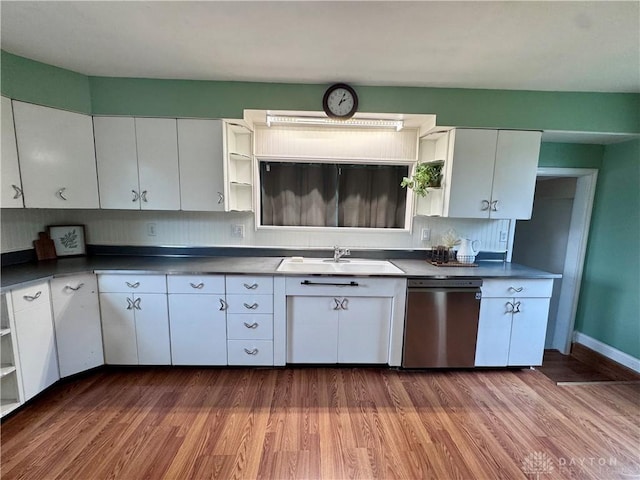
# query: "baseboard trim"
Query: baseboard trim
{"points": [[608, 351]]}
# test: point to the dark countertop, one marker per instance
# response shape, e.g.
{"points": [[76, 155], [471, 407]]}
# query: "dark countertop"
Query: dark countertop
{"points": [[15, 275]]}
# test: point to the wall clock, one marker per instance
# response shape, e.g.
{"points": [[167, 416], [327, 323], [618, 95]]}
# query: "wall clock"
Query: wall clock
{"points": [[340, 101]]}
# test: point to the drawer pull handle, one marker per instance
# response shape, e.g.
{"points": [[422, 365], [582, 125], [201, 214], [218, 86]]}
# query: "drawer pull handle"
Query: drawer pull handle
{"points": [[344, 304], [252, 326], [129, 303], [253, 306], [494, 205], [509, 307], [31, 298], [514, 289], [253, 286], [223, 305], [323, 284], [143, 196], [198, 286], [133, 285], [516, 307], [136, 196], [75, 289], [337, 306], [60, 193], [251, 352], [485, 205], [220, 198]]}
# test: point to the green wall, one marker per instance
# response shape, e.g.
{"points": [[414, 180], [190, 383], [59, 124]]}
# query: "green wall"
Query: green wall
{"points": [[35, 82], [609, 306]]}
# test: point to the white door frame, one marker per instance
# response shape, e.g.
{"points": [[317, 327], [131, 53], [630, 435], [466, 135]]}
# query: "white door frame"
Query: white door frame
{"points": [[576, 251]]}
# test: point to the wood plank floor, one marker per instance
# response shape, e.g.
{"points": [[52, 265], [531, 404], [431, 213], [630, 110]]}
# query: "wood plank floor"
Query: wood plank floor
{"points": [[330, 423]]}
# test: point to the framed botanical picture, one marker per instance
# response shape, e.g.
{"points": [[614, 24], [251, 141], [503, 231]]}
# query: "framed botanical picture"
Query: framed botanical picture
{"points": [[68, 239]]}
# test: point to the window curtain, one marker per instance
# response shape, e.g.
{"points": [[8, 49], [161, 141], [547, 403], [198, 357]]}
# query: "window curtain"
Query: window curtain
{"points": [[370, 196], [299, 194]]}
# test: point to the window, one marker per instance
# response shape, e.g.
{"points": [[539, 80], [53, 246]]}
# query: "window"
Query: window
{"points": [[332, 195]]}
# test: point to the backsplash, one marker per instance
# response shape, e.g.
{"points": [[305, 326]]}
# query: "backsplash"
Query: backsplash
{"points": [[122, 227]]}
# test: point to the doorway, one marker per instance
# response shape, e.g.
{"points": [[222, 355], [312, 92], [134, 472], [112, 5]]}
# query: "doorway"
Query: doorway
{"points": [[555, 240]]}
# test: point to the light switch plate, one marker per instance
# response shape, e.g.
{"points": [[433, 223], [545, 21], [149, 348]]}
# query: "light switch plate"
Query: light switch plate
{"points": [[237, 231], [425, 234]]}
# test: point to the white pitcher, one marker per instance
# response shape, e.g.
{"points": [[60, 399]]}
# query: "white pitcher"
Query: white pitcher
{"points": [[468, 250]]}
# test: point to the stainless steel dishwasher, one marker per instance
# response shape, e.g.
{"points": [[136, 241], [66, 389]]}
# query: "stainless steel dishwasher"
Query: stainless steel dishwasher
{"points": [[441, 325]]}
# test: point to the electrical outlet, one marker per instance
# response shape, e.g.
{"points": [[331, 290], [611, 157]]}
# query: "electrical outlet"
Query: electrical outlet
{"points": [[237, 231], [425, 235], [503, 236], [151, 230]]}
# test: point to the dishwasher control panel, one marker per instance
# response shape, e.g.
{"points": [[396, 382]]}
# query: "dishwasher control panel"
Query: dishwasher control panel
{"points": [[430, 282]]}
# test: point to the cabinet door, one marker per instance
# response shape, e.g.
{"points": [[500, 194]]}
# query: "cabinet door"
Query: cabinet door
{"points": [[118, 329], [198, 330], [157, 142], [312, 330], [363, 332], [514, 178], [117, 162], [57, 157], [152, 329], [469, 173], [201, 165], [37, 349], [11, 187], [528, 331], [76, 314], [494, 332]]}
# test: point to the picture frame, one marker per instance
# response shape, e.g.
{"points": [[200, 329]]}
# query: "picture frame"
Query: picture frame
{"points": [[69, 240]]}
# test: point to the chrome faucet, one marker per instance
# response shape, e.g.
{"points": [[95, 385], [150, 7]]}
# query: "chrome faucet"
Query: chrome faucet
{"points": [[338, 253]]}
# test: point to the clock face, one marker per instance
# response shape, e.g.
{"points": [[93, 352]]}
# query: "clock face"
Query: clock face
{"points": [[340, 101]]}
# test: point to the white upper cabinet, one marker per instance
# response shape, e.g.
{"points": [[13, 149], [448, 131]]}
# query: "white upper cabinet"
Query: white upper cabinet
{"points": [[489, 174], [137, 163], [157, 141], [117, 160], [57, 157], [11, 187], [200, 148]]}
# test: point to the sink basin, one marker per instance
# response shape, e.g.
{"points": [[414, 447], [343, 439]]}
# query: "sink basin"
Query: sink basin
{"points": [[354, 266]]}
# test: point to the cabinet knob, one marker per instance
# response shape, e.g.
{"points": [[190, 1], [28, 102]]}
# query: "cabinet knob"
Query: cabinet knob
{"points": [[17, 190], [60, 193]]}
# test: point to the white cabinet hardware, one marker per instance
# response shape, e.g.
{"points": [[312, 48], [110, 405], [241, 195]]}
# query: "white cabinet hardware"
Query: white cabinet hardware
{"points": [[74, 289], [31, 298]]}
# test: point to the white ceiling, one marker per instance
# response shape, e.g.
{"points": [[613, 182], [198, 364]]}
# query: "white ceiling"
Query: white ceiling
{"points": [[547, 45], [560, 46]]}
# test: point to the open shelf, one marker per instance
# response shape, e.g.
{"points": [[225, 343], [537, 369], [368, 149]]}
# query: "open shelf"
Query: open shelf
{"points": [[6, 370]]}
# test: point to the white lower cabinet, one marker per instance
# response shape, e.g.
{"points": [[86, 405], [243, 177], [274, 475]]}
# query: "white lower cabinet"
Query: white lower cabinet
{"points": [[198, 329], [513, 322], [355, 323], [76, 314], [35, 338], [135, 326]]}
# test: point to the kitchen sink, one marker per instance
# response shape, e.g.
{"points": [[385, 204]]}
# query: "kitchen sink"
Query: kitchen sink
{"points": [[353, 266]]}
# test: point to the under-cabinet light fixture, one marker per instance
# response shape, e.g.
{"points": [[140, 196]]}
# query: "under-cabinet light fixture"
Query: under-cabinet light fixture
{"points": [[352, 122]]}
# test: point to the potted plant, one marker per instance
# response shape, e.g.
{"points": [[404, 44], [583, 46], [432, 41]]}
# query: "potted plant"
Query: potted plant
{"points": [[425, 175]]}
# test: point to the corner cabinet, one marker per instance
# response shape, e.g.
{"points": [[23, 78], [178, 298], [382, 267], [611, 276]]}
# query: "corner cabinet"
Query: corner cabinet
{"points": [[344, 320], [57, 157], [486, 174], [11, 393], [513, 322], [76, 315], [239, 167], [137, 162], [11, 186]]}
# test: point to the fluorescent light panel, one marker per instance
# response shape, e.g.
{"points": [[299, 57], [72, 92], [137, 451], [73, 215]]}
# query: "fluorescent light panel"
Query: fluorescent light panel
{"points": [[352, 122]]}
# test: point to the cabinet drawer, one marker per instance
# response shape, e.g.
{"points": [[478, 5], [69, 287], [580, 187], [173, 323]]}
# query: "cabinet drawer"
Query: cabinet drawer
{"points": [[253, 327], [31, 296], [73, 286], [517, 287], [132, 283], [250, 352], [249, 285], [250, 303], [196, 284]]}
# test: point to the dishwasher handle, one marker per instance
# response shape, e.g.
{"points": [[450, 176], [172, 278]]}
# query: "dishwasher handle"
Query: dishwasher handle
{"points": [[350, 284]]}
